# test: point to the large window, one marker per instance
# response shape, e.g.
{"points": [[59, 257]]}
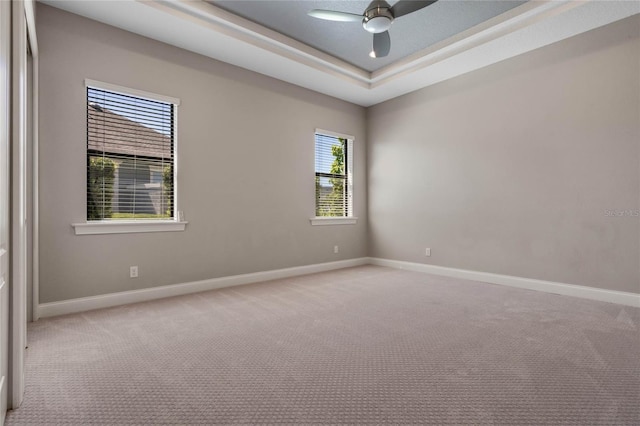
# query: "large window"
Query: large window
{"points": [[334, 175], [130, 156]]}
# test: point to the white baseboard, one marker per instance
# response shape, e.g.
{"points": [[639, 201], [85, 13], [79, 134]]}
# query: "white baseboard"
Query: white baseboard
{"points": [[612, 296], [122, 298]]}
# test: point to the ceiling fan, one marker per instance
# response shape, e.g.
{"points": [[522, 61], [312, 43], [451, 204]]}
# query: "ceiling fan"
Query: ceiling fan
{"points": [[377, 19]]}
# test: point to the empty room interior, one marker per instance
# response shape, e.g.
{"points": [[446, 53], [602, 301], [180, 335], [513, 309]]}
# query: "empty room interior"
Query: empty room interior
{"points": [[320, 212]]}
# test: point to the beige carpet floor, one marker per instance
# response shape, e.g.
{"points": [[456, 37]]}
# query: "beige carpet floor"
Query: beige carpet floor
{"points": [[361, 345]]}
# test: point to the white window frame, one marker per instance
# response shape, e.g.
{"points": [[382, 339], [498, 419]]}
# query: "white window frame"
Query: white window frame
{"points": [[339, 220], [130, 226]]}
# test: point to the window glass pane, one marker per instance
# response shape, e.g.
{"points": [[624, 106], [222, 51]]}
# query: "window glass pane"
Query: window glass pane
{"points": [[329, 154], [331, 196], [130, 154], [333, 187]]}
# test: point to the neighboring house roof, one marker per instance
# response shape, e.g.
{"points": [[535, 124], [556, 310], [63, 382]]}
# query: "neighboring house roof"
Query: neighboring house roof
{"points": [[113, 133]]}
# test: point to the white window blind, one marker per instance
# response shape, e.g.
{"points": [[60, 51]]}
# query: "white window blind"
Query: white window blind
{"points": [[130, 157], [334, 181]]}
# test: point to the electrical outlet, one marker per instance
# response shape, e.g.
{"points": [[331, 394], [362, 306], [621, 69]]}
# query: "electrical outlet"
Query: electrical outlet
{"points": [[336, 249], [133, 272], [427, 252]]}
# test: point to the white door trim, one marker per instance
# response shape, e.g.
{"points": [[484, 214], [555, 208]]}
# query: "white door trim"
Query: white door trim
{"points": [[5, 209], [35, 238]]}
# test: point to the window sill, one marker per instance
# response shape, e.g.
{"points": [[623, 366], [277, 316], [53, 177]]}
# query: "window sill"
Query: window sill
{"points": [[130, 227], [334, 220]]}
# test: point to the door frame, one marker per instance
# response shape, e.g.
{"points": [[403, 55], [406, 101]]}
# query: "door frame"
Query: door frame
{"points": [[18, 202], [24, 41], [5, 201]]}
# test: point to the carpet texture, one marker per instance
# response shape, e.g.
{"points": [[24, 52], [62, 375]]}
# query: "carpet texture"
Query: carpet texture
{"points": [[360, 345]]}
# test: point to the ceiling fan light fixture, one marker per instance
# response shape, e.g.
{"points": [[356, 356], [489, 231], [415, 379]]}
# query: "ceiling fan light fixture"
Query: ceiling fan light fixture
{"points": [[377, 24], [378, 19]]}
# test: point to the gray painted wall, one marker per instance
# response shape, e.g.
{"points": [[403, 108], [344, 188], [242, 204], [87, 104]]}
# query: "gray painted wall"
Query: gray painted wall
{"points": [[246, 165], [510, 169]]}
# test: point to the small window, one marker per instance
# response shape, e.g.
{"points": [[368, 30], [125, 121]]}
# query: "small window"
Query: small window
{"points": [[334, 175], [130, 157]]}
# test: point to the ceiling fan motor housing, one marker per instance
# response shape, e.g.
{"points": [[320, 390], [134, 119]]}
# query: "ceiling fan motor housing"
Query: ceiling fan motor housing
{"points": [[378, 17]]}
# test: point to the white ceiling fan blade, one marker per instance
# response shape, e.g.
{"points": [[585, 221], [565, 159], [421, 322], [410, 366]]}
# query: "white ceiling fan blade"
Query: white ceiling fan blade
{"points": [[404, 7], [332, 15], [381, 44]]}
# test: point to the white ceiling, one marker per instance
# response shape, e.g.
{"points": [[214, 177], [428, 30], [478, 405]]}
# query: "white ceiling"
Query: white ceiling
{"points": [[203, 28]]}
